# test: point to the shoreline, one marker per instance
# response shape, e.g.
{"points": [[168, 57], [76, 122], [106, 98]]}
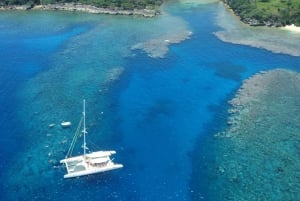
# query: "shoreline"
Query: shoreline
{"points": [[76, 7], [253, 21], [291, 28]]}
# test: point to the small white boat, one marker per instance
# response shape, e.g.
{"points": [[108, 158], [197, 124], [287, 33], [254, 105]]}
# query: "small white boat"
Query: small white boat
{"points": [[51, 125], [66, 124], [88, 163]]}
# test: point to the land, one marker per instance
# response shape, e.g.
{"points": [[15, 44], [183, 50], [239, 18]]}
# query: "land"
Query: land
{"points": [[267, 12], [146, 8], [276, 13]]}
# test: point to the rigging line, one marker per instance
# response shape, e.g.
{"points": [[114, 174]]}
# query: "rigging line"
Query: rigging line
{"points": [[94, 145], [70, 151]]}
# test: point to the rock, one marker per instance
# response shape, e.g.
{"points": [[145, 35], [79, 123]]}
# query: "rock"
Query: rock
{"points": [[252, 22]]}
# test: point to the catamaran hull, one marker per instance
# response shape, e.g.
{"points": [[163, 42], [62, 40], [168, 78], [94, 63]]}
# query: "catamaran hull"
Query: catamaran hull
{"points": [[92, 171], [88, 163]]}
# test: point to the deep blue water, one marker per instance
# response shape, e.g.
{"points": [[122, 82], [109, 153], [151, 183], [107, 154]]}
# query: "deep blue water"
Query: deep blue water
{"points": [[22, 57], [156, 110]]}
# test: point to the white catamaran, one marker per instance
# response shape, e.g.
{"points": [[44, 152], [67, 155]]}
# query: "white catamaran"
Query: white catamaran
{"points": [[88, 163]]}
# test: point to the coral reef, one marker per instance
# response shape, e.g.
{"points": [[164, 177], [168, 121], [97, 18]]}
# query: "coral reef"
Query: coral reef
{"points": [[257, 157]]}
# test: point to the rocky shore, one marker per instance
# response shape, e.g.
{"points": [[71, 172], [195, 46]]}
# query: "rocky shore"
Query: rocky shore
{"points": [[84, 8], [255, 22]]}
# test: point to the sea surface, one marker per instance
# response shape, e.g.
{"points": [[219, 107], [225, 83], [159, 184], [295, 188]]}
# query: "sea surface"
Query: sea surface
{"points": [[153, 88]]}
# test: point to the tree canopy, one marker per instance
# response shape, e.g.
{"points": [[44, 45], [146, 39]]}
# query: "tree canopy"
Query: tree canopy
{"points": [[272, 12], [124, 4]]}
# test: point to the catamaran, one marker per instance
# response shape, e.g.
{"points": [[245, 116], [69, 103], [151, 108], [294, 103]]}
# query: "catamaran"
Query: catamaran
{"points": [[88, 163]]}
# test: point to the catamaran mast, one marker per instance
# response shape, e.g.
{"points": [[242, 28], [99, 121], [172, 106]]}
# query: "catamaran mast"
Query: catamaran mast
{"points": [[84, 129], [78, 166]]}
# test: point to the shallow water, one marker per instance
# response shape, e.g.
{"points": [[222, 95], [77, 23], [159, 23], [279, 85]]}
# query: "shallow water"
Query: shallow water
{"points": [[273, 39], [257, 156], [150, 95]]}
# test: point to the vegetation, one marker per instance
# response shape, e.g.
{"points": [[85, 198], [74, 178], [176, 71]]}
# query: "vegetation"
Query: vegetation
{"points": [[120, 4], [253, 12], [267, 12]]}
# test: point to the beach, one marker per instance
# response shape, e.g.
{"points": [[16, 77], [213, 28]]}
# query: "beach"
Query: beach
{"points": [[292, 28]]}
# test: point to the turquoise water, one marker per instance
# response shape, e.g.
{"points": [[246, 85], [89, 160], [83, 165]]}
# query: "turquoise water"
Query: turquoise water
{"points": [[153, 90], [260, 148]]}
